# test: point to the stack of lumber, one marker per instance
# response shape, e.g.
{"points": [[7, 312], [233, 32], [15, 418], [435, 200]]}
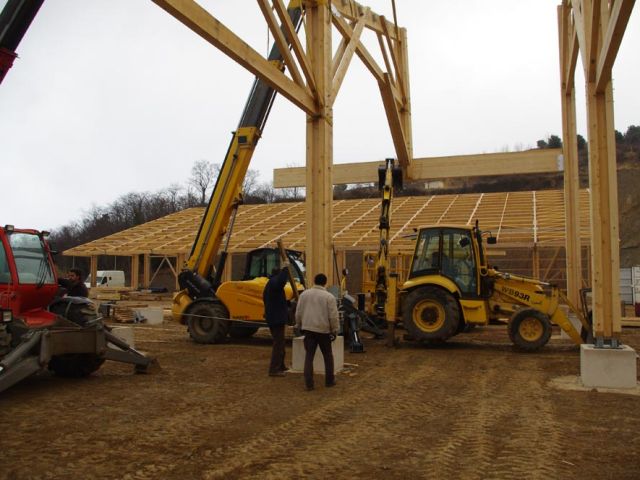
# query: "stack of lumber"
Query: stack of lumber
{"points": [[125, 312], [631, 321], [108, 293]]}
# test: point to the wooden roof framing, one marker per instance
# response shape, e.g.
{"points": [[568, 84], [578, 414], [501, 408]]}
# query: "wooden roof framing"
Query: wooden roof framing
{"points": [[516, 218]]}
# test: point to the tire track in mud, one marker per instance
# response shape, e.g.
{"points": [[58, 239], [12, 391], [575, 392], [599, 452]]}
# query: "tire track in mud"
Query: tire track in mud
{"points": [[472, 449], [314, 444]]}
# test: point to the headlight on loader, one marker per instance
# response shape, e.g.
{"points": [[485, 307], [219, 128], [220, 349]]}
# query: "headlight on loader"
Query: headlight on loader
{"points": [[7, 316]]}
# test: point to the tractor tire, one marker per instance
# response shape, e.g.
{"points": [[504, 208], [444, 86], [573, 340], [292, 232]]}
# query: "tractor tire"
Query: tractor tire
{"points": [[529, 329], [206, 322], [75, 365], [431, 314], [79, 313], [242, 331]]}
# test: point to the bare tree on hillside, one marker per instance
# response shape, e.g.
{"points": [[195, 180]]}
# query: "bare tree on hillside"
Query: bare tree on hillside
{"points": [[203, 174]]}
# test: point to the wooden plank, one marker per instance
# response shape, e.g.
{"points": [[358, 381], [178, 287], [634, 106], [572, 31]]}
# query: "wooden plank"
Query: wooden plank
{"points": [[504, 163], [296, 46], [212, 30], [345, 59], [395, 122], [281, 42]]}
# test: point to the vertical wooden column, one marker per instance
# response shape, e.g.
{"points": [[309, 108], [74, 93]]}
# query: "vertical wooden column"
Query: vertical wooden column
{"points": [[405, 112], [571, 196], [93, 269], [605, 255], [135, 271], [180, 264], [146, 271], [320, 145], [568, 59], [535, 266]]}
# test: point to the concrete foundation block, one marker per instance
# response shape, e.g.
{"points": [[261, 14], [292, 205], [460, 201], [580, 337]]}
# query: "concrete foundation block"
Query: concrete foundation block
{"points": [[298, 354], [608, 367], [125, 333]]}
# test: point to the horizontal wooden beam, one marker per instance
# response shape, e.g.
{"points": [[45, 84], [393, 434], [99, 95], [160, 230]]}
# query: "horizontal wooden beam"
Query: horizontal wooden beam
{"points": [[508, 163], [213, 31]]}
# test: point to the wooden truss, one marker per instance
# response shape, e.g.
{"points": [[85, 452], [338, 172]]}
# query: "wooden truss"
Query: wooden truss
{"points": [[529, 223], [312, 82], [593, 31]]}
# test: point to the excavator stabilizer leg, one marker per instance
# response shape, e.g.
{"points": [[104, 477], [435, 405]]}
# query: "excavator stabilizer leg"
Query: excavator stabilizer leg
{"points": [[560, 319]]}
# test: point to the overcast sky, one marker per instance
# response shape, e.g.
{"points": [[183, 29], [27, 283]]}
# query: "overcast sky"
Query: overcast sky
{"points": [[113, 96]]}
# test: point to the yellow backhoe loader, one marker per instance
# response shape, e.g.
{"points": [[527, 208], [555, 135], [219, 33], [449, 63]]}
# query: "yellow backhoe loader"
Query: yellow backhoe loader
{"points": [[450, 286]]}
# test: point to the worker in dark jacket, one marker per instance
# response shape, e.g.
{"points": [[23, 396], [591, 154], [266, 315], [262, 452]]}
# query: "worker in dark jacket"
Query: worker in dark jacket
{"points": [[74, 283], [276, 313]]}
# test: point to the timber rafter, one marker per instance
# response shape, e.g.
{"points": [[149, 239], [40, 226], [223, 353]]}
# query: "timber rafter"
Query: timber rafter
{"points": [[300, 85]]}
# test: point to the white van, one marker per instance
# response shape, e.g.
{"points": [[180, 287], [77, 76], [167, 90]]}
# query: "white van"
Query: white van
{"points": [[107, 278]]}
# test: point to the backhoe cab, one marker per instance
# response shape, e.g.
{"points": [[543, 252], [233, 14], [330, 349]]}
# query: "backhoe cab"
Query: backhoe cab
{"points": [[451, 286], [39, 329], [236, 308]]}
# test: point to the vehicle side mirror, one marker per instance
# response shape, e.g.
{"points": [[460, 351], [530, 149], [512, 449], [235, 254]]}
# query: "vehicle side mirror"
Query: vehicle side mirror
{"points": [[464, 241], [492, 240]]}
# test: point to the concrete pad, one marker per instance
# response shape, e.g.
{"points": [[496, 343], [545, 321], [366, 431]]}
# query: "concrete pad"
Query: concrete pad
{"points": [[125, 333], [574, 383], [152, 315], [298, 354], [608, 367]]}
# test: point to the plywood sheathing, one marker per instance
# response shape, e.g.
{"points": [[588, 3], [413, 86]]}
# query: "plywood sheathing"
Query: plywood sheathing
{"points": [[510, 216]]}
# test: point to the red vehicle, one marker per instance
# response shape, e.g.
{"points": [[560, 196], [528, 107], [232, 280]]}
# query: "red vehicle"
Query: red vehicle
{"points": [[38, 328]]}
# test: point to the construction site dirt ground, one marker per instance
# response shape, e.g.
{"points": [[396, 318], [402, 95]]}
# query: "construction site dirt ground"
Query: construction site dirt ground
{"points": [[473, 409]]}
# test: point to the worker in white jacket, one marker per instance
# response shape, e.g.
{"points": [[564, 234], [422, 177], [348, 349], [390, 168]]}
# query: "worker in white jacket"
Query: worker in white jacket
{"points": [[317, 318]]}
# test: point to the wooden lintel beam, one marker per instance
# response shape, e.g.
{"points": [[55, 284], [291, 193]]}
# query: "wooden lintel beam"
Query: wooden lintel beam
{"points": [[529, 161], [212, 30], [618, 20], [280, 41], [395, 123], [352, 10], [296, 46], [345, 60]]}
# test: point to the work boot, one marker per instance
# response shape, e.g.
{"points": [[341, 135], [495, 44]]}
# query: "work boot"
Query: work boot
{"points": [[277, 374]]}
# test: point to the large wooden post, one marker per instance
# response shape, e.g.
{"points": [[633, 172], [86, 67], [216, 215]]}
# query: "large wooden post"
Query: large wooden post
{"points": [[605, 256], [571, 196], [135, 271], [568, 59], [93, 269], [146, 270], [320, 145]]}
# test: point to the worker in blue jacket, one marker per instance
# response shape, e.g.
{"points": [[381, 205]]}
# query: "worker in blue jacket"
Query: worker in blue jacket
{"points": [[276, 312]]}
